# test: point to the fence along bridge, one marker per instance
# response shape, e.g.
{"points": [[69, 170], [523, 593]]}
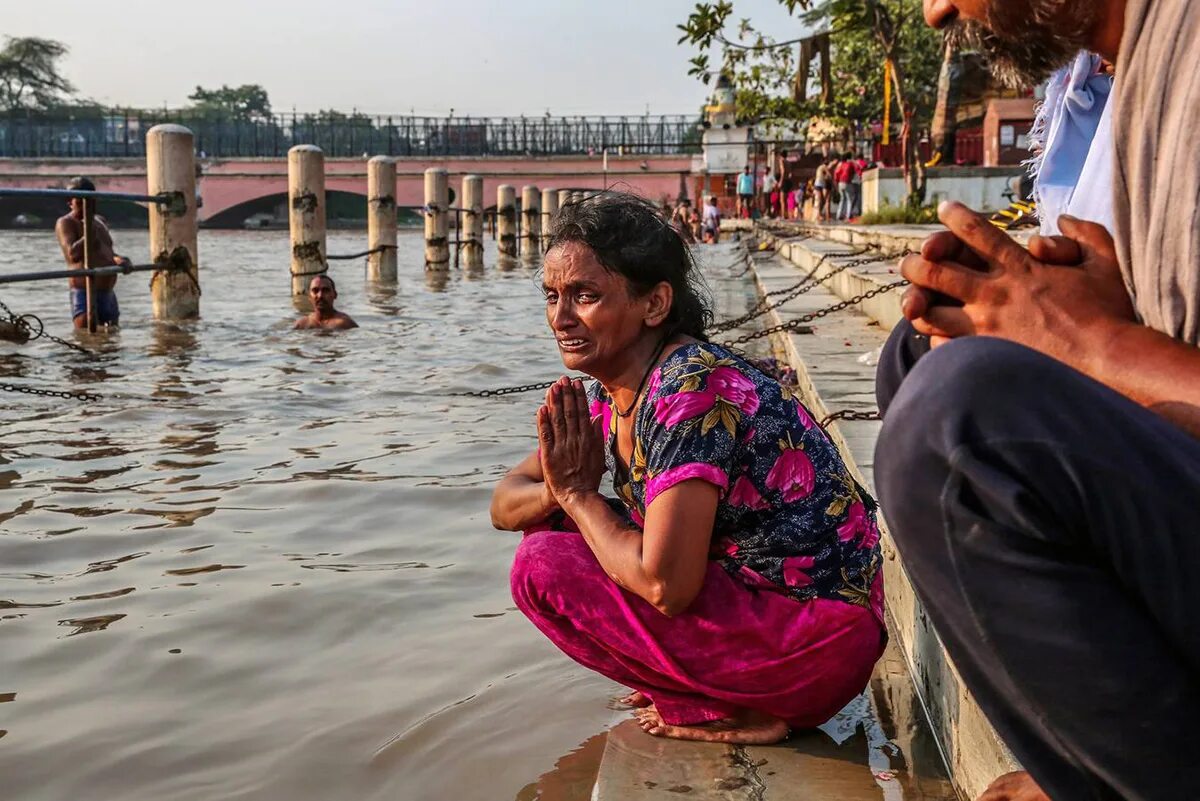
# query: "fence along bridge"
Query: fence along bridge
{"points": [[243, 168]]}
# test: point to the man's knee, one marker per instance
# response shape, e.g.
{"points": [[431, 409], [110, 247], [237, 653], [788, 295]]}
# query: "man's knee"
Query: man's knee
{"points": [[964, 391], [900, 353]]}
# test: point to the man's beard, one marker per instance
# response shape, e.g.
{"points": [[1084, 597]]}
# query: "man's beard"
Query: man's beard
{"points": [[1024, 41]]}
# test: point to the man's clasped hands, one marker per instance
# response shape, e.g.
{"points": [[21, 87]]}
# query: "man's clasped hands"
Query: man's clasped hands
{"points": [[1063, 295]]}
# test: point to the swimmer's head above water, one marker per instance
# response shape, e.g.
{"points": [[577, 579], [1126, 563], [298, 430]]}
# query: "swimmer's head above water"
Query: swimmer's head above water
{"points": [[322, 291]]}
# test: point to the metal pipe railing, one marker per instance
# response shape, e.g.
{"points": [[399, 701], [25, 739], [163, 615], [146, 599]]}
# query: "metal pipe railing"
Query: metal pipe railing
{"points": [[161, 200]]}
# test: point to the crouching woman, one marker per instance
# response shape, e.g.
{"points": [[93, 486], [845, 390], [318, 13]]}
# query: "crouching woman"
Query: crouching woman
{"points": [[735, 586]]}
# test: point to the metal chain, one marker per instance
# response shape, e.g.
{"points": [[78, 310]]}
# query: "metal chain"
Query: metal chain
{"points": [[25, 322], [850, 415], [762, 307], [492, 393], [801, 287], [85, 397], [792, 325]]}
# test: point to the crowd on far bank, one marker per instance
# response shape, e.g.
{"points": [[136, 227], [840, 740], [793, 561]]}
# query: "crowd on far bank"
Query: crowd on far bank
{"points": [[833, 191]]}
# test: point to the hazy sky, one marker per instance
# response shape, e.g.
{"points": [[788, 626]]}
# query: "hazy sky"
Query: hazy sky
{"points": [[478, 57]]}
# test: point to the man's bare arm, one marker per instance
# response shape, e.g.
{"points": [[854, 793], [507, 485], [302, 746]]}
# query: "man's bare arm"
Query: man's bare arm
{"points": [[69, 240]]}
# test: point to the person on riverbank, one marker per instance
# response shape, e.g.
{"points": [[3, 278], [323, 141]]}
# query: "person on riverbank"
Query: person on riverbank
{"points": [[822, 183], [1039, 459], [745, 193], [843, 176], [69, 230], [681, 220], [735, 585], [710, 225], [322, 292], [770, 195]]}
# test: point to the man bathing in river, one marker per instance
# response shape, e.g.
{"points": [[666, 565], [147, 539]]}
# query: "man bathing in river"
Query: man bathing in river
{"points": [[323, 292], [1039, 462], [69, 230], [735, 585]]}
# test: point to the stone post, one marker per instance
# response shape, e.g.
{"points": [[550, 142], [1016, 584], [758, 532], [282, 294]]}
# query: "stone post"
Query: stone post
{"points": [[564, 197], [306, 217], [549, 212], [506, 220], [531, 221], [472, 226], [171, 169], [437, 223], [381, 219]]}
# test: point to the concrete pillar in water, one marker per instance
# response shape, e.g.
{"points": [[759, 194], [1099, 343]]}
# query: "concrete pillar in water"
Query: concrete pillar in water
{"points": [[472, 225], [171, 169], [306, 217], [381, 219], [531, 221], [506, 220], [549, 212], [437, 223]]}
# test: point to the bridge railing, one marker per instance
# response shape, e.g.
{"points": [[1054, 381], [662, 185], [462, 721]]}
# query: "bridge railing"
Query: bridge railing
{"points": [[118, 134]]}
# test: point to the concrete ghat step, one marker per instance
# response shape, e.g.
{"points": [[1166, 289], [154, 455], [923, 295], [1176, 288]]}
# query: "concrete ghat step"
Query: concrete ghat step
{"points": [[833, 375]]}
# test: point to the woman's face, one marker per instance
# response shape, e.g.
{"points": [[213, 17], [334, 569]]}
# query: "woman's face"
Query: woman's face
{"points": [[592, 312]]}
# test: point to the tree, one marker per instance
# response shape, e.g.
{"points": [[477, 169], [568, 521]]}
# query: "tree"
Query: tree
{"points": [[29, 74], [246, 102], [865, 35]]}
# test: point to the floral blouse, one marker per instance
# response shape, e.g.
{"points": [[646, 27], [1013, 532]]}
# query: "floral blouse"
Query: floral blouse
{"points": [[790, 519]]}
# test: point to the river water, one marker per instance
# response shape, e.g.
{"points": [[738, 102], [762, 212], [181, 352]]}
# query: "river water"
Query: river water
{"points": [[262, 566]]}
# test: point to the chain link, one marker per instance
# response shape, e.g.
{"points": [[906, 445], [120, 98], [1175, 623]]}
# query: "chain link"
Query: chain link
{"points": [[84, 397], [850, 415]]}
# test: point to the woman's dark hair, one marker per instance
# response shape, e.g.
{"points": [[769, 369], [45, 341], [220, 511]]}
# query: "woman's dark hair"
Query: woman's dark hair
{"points": [[630, 238]]}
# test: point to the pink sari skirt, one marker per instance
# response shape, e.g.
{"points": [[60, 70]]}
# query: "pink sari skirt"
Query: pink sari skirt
{"points": [[734, 648]]}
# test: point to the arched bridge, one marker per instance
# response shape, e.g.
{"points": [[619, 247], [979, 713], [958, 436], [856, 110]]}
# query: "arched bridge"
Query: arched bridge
{"points": [[233, 190]]}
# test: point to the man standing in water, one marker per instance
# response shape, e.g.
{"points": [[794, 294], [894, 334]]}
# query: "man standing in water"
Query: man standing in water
{"points": [[323, 292], [69, 229]]}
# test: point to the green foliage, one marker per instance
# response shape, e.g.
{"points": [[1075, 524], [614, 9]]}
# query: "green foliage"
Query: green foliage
{"points": [[857, 65], [246, 102], [29, 74], [901, 215], [863, 34]]}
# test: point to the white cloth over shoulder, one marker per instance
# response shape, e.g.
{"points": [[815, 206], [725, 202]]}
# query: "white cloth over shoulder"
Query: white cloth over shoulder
{"points": [[1074, 172]]}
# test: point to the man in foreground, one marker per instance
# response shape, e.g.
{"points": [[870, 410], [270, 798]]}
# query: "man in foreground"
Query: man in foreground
{"points": [[323, 292], [69, 230], [1039, 466]]}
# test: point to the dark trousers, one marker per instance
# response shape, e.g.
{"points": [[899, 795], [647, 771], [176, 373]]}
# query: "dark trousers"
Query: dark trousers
{"points": [[1050, 527]]}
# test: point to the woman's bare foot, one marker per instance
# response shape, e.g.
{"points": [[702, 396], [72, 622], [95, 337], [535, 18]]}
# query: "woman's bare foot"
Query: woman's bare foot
{"points": [[747, 728], [635, 699], [1015, 786]]}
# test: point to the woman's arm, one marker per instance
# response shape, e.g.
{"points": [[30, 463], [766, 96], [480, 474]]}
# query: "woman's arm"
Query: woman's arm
{"points": [[665, 563], [522, 499]]}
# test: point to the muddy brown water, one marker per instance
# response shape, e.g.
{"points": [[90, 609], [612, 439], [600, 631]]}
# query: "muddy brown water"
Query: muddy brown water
{"points": [[262, 567]]}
